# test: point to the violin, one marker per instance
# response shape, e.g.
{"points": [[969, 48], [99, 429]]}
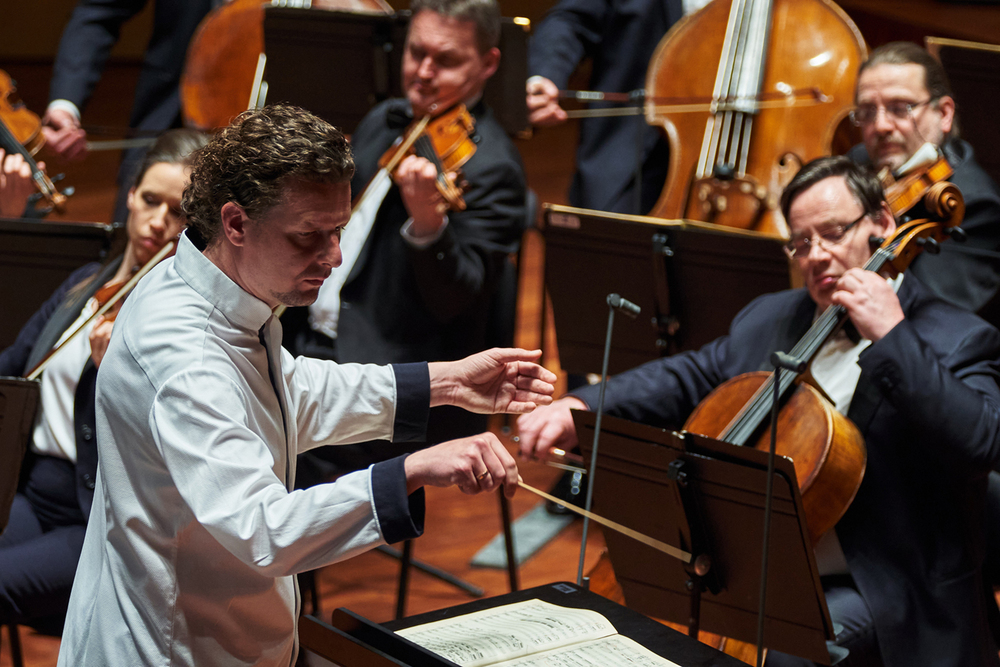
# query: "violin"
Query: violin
{"points": [[21, 132], [923, 178], [447, 141]]}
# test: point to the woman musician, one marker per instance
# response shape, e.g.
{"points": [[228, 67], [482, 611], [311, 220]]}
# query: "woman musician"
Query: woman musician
{"points": [[41, 545]]}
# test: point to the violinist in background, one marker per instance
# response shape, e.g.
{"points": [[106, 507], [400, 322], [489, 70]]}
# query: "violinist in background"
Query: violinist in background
{"points": [[903, 101], [901, 570], [417, 282], [87, 39], [16, 185], [620, 38], [41, 545]]}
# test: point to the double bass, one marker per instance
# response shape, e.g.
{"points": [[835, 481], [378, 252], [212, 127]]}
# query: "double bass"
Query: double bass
{"points": [[771, 79]]}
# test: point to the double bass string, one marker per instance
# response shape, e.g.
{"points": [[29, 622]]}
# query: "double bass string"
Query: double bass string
{"points": [[739, 77]]}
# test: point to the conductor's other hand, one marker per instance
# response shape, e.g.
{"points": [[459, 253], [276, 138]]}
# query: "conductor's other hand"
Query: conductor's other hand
{"points": [[543, 102], [549, 426], [497, 380], [16, 184], [63, 134], [474, 464]]}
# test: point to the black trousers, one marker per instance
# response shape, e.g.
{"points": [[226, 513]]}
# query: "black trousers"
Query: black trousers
{"points": [[41, 546]]}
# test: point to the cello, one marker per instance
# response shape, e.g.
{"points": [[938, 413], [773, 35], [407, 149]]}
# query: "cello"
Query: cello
{"points": [[778, 75]]}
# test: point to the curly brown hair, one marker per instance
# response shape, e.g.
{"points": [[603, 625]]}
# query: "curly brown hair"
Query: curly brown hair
{"points": [[253, 161]]}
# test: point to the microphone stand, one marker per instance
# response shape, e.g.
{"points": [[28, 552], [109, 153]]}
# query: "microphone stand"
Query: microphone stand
{"points": [[615, 302], [780, 360]]}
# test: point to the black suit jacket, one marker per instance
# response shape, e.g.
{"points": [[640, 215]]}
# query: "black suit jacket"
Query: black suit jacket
{"points": [[620, 37], [966, 274], [92, 30], [928, 405], [37, 337]]}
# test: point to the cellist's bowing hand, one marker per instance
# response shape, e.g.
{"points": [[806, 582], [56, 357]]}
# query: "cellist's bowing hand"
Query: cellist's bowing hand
{"points": [[870, 302], [547, 427], [416, 178], [543, 102], [474, 464], [100, 336], [497, 380]]}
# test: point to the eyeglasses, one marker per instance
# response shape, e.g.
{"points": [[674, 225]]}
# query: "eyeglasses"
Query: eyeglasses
{"points": [[800, 246], [894, 111]]}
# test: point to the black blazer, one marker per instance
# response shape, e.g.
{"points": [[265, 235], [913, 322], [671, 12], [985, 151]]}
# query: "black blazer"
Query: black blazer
{"points": [[33, 342], [620, 37], [93, 29], [928, 405]]}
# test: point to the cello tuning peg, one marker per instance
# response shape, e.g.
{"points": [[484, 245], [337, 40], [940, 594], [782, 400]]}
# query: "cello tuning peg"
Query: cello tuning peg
{"points": [[930, 245], [957, 234]]}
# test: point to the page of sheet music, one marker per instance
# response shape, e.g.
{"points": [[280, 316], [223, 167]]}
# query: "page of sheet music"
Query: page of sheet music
{"points": [[511, 631], [613, 650]]}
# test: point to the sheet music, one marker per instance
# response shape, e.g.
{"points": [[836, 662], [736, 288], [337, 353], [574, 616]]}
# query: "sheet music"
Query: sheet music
{"points": [[613, 650], [531, 628]]}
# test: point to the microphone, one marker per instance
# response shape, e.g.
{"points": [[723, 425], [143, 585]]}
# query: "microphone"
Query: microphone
{"points": [[787, 362], [623, 305]]}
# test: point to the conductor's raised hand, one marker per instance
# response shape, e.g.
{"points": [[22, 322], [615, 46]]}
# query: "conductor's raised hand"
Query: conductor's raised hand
{"points": [[497, 380], [474, 464]]}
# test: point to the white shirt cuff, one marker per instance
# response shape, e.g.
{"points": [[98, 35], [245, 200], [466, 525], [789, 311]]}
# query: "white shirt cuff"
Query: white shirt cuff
{"points": [[65, 105], [421, 241]]}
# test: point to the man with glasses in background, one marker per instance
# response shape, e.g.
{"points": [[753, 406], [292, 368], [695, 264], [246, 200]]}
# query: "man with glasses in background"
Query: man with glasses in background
{"points": [[904, 101]]}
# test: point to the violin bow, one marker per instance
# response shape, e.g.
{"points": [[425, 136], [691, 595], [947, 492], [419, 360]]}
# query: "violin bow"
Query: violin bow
{"points": [[122, 292]]}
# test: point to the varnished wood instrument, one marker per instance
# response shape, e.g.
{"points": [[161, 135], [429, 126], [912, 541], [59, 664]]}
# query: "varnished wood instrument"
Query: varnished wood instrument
{"points": [[756, 61]]}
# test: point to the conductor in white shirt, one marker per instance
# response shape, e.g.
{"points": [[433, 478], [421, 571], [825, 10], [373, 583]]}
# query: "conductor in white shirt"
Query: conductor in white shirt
{"points": [[196, 532]]}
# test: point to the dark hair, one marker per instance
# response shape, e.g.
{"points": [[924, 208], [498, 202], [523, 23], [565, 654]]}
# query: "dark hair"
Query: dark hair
{"points": [[171, 147], [860, 179], [908, 53], [253, 161], [484, 13]]}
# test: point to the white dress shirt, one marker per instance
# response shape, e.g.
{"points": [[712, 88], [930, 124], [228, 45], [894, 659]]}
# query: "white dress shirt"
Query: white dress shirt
{"points": [[196, 530]]}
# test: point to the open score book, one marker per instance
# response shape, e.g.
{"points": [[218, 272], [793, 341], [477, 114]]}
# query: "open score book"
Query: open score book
{"points": [[532, 633]]}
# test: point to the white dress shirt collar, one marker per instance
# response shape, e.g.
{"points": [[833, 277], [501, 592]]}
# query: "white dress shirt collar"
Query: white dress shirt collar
{"points": [[239, 306]]}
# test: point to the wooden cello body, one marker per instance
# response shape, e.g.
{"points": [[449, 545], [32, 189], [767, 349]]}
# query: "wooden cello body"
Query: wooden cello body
{"points": [[224, 58], [768, 82]]}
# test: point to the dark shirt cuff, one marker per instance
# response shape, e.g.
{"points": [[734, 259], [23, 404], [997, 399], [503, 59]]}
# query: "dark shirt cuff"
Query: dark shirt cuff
{"points": [[413, 401], [400, 517]]}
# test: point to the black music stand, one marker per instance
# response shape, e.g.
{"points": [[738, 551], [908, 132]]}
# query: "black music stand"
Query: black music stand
{"points": [[656, 637], [689, 278], [36, 257], [350, 640], [340, 64], [707, 497]]}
